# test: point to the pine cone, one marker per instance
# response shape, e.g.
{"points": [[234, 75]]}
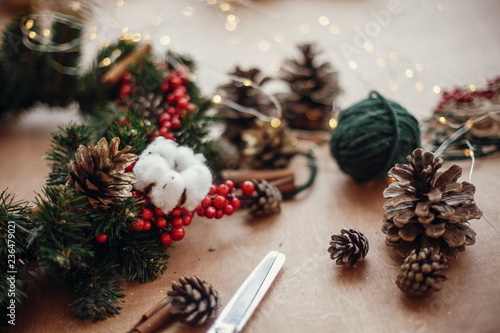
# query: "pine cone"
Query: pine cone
{"points": [[99, 172], [420, 272], [195, 300], [427, 208], [349, 247], [245, 96], [149, 106], [267, 147], [266, 199], [313, 90]]}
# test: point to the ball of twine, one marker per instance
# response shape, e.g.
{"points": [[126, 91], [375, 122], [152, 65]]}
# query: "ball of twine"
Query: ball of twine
{"points": [[372, 136]]}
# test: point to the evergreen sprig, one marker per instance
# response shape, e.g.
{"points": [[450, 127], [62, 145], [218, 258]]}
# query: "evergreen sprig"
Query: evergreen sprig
{"points": [[97, 290], [135, 132], [64, 144], [60, 229], [114, 222]]}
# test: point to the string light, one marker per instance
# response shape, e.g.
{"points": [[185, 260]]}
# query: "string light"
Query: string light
{"points": [[46, 33], [264, 46], [368, 47], [439, 8], [278, 37], [231, 18], [230, 26], [436, 89], [393, 85], [275, 123], [136, 37], [333, 123], [275, 66], [409, 73], [32, 34], [224, 6], [106, 61], [29, 24], [155, 20], [304, 28], [247, 82], [353, 64], [393, 55], [211, 2], [147, 37], [217, 99], [119, 3], [75, 6], [419, 67], [164, 40], [323, 20], [381, 62], [188, 11], [334, 29], [472, 87], [419, 86], [442, 120]]}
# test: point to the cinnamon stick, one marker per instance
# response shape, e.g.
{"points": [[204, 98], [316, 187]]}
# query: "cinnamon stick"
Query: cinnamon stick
{"points": [[240, 175], [115, 73], [155, 321]]}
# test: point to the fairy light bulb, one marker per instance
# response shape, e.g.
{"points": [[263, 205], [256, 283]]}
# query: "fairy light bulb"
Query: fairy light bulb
{"points": [[275, 123], [472, 87], [106, 62], [224, 6], [217, 99], [46, 33], [409, 73], [29, 24], [442, 120], [32, 34], [247, 82], [436, 89], [333, 123], [323, 20]]}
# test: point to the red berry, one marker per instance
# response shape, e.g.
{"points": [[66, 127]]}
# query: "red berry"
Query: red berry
{"points": [[163, 118], [177, 222], [220, 214], [163, 131], [161, 222], [175, 81], [186, 220], [201, 212], [177, 233], [198, 208], [177, 211], [236, 203], [176, 124], [220, 202], [206, 202], [228, 210], [191, 107], [171, 99], [229, 184], [166, 124], [210, 212], [101, 238], [213, 190], [171, 110], [164, 87], [130, 167], [166, 239], [138, 225], [170, 136], [223, 190], [147, 214], [159, 212], [180, 91], [147, 226], [127, 77], [182, 103], [248, 187]]}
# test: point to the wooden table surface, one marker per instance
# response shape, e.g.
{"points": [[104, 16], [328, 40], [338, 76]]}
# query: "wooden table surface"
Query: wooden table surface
{"points": [[311, 293]]}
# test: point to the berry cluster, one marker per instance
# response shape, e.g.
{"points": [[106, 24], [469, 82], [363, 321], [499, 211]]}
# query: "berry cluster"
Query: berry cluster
{"points": [[125, 87], [467, 96], [220, 201], [177, 103], [170, 226]]}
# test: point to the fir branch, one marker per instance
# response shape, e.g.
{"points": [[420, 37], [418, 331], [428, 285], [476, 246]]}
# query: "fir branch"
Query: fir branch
{"points": [[98, 292], [142, 255], [146, 76], [64, 144], [134, 132], [60, 231], [114, 222]]}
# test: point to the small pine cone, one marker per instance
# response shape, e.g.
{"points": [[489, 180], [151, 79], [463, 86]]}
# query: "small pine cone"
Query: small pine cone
{"points": [[266, 199], [428, 208], [420, 272], [267, 147], [194, 300], [349, 247], [99, 172], [149, 106]]}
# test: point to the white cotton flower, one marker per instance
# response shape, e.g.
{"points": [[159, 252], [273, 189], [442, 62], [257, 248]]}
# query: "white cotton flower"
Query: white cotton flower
{"points": [[167, 171]]}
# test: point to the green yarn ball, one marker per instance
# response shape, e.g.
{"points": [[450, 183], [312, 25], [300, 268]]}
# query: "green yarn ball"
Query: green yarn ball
{"points": [[372, 136]]}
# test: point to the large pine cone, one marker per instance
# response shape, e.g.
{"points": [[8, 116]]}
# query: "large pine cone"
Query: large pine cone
{"points": [[348, 248], [420, 272], [427, 208], [266, 199], [99, 172], [194, 300], [247, 96], [314, 88], [267, 147]]}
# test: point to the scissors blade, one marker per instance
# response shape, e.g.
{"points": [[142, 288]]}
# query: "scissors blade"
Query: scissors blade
{"points": [[246, 299]]}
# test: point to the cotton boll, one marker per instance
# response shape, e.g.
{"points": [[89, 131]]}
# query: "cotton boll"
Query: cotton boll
{"points": [[200, 158], [167, 191], [185, 158], [147, 169], [198, 180], [164, 148]]}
